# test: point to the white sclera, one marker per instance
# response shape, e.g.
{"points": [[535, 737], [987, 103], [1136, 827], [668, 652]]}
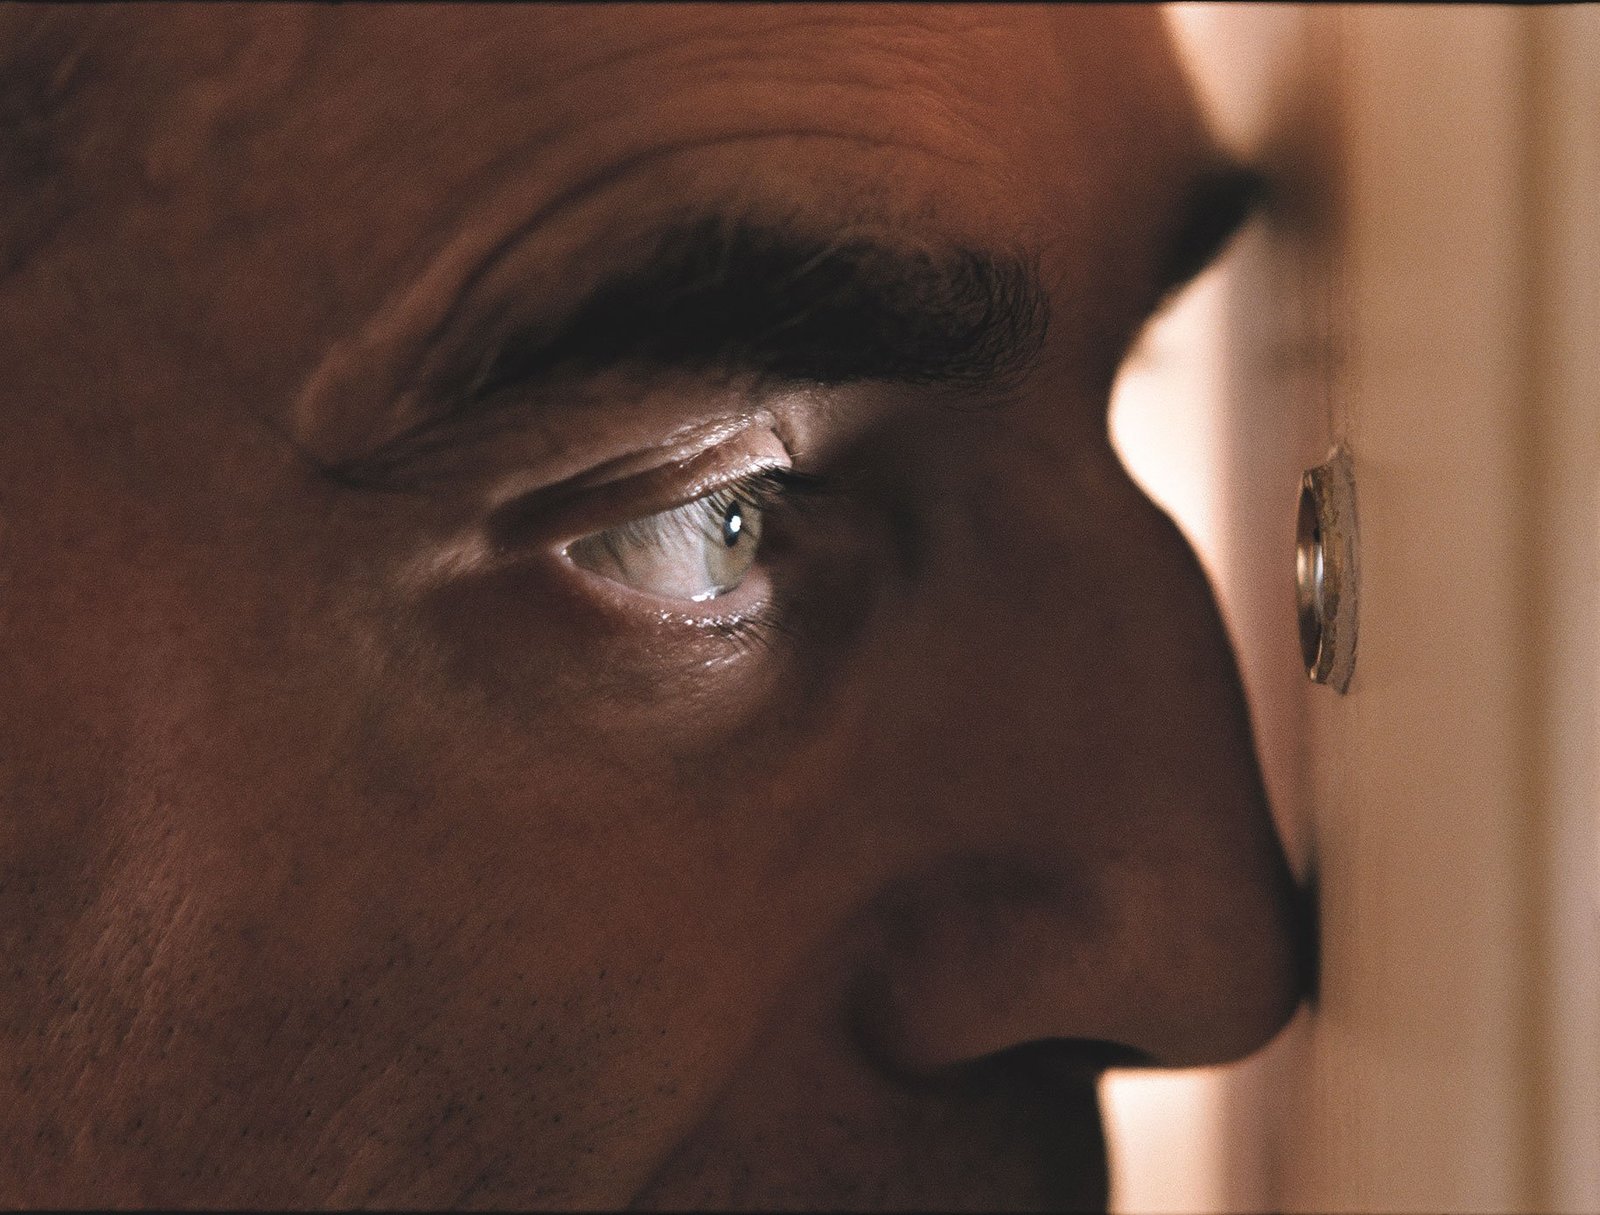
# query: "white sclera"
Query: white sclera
{"points": [[694, 552]]}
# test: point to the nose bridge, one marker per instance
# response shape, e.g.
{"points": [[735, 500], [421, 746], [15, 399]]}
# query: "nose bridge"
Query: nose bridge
{"points": [[1056, 654], [1099, 860]]}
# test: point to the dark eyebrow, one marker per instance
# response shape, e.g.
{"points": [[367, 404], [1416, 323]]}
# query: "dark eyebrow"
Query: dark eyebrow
{"points": [[786, 303], [783, 303]]}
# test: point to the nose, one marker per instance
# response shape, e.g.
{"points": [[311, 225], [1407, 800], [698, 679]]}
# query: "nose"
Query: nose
{"points": [[1072, 748]]}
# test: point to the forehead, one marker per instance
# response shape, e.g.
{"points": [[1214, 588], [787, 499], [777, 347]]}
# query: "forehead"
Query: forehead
{"points": [[1015, 111], [341, 148], [990, 76]]}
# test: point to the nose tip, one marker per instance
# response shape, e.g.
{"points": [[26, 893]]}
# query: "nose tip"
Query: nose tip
{"points": [[983, 958]]}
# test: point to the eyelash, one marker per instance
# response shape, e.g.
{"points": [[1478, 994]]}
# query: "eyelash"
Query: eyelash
{"points": [[766, 491], [779, 494], [756, 630], [774, 492], [772, 489]]}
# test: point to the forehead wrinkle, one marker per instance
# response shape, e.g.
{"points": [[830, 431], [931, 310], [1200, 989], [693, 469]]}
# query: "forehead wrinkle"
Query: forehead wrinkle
{"points": [[929, 73], [552, 115], [810, 49], [571, 121], [699, 27], [790, 96], [914, 66]]}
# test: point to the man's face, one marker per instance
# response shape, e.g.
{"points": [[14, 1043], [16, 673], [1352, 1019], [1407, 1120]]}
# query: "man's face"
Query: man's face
{"points": [[573, 634]]}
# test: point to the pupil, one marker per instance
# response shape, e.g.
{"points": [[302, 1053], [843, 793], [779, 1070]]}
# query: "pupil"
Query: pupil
{"points": [[732, 525]]}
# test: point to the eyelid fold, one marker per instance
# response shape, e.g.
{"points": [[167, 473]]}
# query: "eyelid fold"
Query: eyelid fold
{"points": [[611, 495]]}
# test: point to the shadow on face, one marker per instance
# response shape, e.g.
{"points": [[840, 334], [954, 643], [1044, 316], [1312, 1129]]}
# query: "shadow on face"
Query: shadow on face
{"points": [[575, 637]]}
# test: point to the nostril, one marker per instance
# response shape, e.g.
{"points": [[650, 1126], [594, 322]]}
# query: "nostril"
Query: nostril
{"points": [[1051, 1063], [1066, 1060], [1308, 939]]}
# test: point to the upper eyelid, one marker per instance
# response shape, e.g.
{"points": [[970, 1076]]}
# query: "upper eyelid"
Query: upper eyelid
{"points": [[560, 515], [438, 451], [655, 529], [697, 512], [773, 487]]}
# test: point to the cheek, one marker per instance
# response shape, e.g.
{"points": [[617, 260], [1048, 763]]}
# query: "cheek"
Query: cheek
{"points": [[443, 886], [627, 795], [625, 869]]}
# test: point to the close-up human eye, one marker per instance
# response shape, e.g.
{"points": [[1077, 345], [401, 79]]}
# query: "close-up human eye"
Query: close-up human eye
{"points": [[697, 551]]}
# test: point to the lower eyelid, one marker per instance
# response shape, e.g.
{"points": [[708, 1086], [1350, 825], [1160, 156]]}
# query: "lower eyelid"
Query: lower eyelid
{"points": [[623, 603]]}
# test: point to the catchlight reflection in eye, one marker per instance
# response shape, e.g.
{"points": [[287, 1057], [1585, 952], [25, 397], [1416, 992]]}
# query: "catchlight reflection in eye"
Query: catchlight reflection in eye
{"points": [[695, 552]]}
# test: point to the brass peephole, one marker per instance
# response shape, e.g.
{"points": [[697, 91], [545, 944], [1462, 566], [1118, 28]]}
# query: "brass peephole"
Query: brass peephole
{"points": [[1326, 571]]}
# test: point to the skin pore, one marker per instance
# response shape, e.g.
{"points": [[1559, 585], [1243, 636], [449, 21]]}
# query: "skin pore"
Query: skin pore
{"points": [[387, 818]]}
